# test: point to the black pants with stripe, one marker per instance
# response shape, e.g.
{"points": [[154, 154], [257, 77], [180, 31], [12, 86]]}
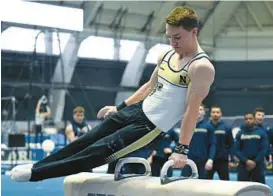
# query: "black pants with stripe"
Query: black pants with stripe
{"points": [[116, 132]]}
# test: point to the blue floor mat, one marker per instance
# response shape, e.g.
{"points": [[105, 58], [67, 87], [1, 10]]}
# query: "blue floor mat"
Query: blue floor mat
{"points": [[51, 187]]}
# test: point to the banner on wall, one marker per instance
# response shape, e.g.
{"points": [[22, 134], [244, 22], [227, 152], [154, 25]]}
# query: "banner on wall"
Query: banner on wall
{"points": [[8, 155]]}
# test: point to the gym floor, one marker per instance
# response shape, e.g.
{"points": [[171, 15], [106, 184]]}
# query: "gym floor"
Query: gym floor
{"points": [[54, 187]]}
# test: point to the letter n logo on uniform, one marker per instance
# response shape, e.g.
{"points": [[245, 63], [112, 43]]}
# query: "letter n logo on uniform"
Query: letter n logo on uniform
{"points": [[183, 80]]}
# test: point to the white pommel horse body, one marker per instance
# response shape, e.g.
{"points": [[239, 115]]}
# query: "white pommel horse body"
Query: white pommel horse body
{"points": [[95, 184]]}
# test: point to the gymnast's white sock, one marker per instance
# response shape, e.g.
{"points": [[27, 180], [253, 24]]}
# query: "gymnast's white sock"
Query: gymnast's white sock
{"points": [[21, 173], [29, 165]]}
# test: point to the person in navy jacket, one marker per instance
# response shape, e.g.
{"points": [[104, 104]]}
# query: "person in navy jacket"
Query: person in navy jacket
{"points": [[250, 148], [259, 115], [202, 146], [224, 145]]}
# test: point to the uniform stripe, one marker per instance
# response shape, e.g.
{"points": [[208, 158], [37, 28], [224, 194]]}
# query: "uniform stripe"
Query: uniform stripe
{"points": [[163, 58], [134, 146], [187, 64], [195, 59], [165, 78]]}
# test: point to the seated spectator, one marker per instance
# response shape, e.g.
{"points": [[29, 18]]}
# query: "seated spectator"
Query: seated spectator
{"points": [[78, 126]]}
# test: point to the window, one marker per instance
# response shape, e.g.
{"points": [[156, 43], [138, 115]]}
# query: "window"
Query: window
{"points": [[20, 39], [127, 49], [23, 40], [155, 51], [42, 14], [97, 47], [64, 37]]}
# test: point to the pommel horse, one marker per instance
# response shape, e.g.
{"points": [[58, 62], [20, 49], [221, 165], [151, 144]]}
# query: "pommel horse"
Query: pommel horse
{"points": [[118, 184]]}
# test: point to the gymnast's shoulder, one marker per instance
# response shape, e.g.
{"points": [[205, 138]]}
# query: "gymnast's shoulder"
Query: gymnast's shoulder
{"points": [[202, 69]]}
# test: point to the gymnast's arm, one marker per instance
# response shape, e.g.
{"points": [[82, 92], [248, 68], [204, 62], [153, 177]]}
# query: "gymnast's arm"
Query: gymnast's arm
{"points": [[146, 88], [201, 74], [139, 95]]}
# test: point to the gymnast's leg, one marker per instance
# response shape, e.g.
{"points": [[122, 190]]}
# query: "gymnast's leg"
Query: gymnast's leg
{"points": [[107, 127], [92, 152], [92, 156]]}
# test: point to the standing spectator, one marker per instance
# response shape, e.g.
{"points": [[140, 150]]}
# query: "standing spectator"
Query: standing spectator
{"points": [[162, 152], [259, 114], [224, 145], [250, 148], [202, 146], [269, 165], [42, 113]]}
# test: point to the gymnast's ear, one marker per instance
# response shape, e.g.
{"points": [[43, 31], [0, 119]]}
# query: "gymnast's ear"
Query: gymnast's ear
{"points": [[195, 31]]}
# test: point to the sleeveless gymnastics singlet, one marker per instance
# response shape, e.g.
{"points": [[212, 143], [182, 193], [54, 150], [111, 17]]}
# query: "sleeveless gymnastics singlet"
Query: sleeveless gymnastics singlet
{"points": [[165, 105]]}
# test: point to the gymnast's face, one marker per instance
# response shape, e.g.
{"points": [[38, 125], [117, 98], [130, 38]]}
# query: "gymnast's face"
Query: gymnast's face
{"points": [[216, 114], [78, 117], [181, 39]]}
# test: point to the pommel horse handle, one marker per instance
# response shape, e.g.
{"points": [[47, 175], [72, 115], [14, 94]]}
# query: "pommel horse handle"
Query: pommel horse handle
{"points": [[164, 179], [119, 176]]}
